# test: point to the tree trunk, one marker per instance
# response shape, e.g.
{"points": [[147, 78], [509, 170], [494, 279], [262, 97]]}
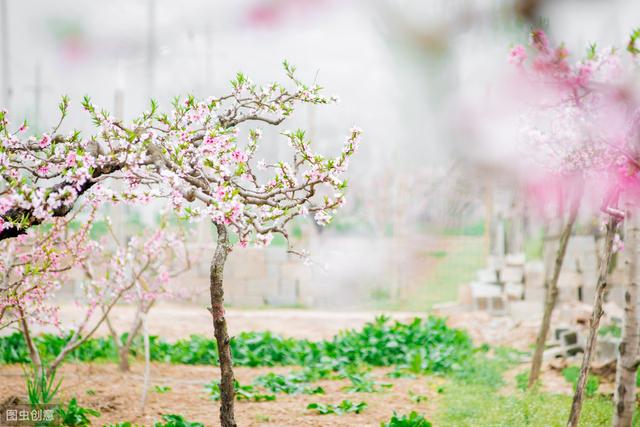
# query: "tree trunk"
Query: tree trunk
{"points": [[124, 348], [227, 393], [34, 354], [147, 363], [594, 322], [551, 293], [121, 349], [625, 390], [123, 353]]}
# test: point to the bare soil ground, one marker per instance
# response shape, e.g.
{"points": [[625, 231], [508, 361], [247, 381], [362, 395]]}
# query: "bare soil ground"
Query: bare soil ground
{"points": [[117, 396], [174, 321]]}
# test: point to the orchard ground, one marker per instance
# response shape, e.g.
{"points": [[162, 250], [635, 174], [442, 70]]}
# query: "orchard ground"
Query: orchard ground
{"points": [[117, 396]]}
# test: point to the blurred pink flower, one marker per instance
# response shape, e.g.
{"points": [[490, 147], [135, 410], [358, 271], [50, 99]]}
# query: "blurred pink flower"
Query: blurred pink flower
{"points": [[517, 55]]}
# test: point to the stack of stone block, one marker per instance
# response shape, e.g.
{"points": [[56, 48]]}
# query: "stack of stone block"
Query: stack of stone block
{"points": [[567, 342], [512, 276], [534, 282], [500, 282]]}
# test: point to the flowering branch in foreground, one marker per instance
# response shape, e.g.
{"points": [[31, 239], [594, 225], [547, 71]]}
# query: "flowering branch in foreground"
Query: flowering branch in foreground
{"points": [[582, 117], [194, 155]]}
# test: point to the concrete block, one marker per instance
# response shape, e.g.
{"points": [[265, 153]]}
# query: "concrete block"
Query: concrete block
{"points": [[534, 274], [569, 338], [607, 348], [558, 332], [569, 279], [275, 254], [515, 259], [246, 264], [553, 352], [295, 270], [280, 300], [498, 306], [487, 275], [512, 274], [573, 350], [464, 295], [534, 294], [495, 262], [568, 294], [485, 290], [514, 291]]}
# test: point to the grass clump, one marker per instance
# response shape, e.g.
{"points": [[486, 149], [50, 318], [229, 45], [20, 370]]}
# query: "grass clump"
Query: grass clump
{"points": [[288, 384], [168, 420], [486, 367], [174, 420], [364, 383], [74, 415], [572, 373], [412, 420], [344, 407]]}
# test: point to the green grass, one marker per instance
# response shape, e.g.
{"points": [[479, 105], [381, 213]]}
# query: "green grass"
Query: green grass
{"points": [[455, 267], [572, 373], [486, 369], [474, 397], [437, 254], [534, 245], [475, 229], [467, 405], [611, 329]]}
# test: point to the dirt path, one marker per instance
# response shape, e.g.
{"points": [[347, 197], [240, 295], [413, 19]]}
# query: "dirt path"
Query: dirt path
{"points": [[174, 321]]}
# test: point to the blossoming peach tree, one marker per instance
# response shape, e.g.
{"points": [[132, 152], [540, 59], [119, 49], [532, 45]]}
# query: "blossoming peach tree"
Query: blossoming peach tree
{"points": [[32, 268], [197, 157], [140, 270], [160, 256], [34, 265], [582, 122]]}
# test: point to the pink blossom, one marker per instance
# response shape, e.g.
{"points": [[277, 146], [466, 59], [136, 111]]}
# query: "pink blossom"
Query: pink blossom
{"points": [[239, 156], [584, 74], [517, 55], [71, 159], [220, 192], [264, 239], [164, 277], [618, 244], [209, 140], [580, 124], [199, 167], [322, 218], [540, 41], [44, 141]]}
